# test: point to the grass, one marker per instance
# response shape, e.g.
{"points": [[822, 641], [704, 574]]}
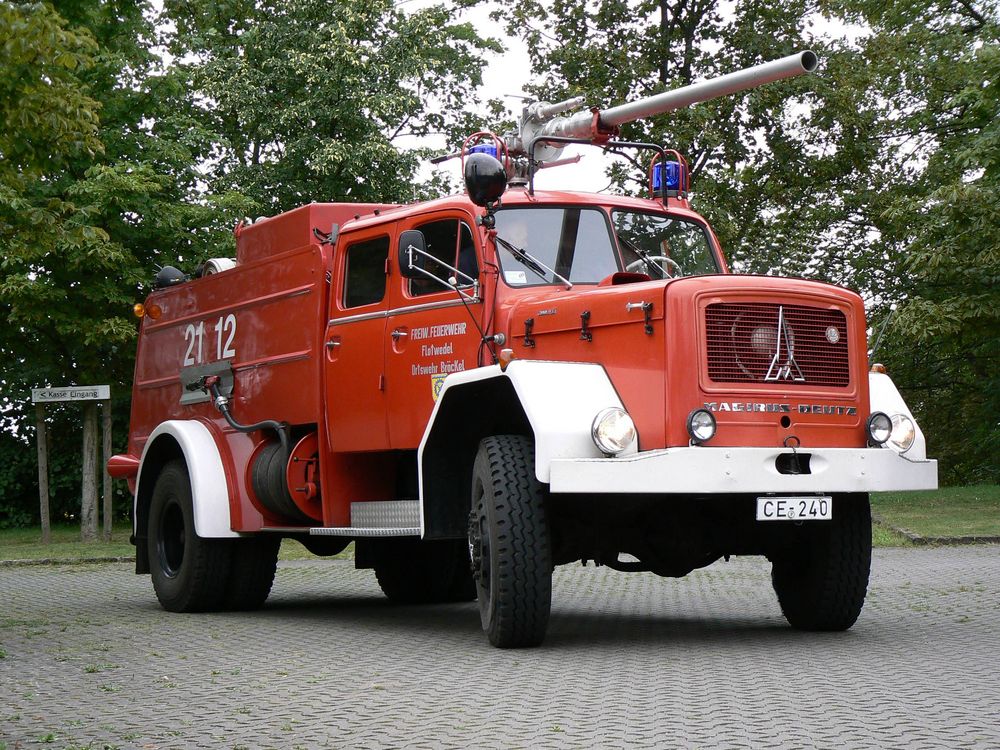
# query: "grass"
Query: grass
{"points": [[884, 536], [26, 544], [946, 512]]}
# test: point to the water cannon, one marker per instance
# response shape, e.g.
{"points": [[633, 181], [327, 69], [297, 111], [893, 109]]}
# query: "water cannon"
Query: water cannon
{"points": [[540, 121], [544, 129]]}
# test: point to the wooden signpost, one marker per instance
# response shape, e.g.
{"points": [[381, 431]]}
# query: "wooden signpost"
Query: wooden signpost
{"points": [[90, 395]]}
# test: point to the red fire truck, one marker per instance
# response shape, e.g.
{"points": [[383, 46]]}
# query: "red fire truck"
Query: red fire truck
{"points": [[478, 388]]}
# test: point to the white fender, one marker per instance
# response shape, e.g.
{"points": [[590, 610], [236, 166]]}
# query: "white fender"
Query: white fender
{"points": [[883, 396], [209, 489], [560, 400]]}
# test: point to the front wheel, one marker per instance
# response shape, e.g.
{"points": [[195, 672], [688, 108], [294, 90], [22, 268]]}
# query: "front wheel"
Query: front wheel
{"points": [[189, 572], [821, 585], [509, 543]]}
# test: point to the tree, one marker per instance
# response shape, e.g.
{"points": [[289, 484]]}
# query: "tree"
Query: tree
{"points": [[308, 101], [94, 195], [91, 196], [952, 313]]}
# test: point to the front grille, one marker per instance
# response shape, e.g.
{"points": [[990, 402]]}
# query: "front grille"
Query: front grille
{"points": [[761, 342]]}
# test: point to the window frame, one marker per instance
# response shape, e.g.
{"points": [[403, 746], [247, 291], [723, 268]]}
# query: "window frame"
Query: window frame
{"points": [[343, 302]]}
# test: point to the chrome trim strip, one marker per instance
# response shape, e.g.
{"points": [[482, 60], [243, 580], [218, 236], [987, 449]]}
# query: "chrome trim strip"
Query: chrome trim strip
{"points": [[402, 311], [358, 318]]}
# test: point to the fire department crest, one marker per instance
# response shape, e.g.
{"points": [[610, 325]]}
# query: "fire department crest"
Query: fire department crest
{"points": [[437, 383]]}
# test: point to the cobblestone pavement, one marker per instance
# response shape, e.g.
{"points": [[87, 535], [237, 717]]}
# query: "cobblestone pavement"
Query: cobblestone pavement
{"points": [[631, 660]]}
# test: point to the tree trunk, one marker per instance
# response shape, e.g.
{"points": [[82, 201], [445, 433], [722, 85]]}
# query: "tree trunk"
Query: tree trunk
{"points": [[43, 472], [88, 502], [106, 435]]}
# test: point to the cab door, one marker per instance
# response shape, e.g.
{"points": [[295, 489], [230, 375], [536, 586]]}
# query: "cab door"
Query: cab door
{"points": [[431, 332], [355, 383]]}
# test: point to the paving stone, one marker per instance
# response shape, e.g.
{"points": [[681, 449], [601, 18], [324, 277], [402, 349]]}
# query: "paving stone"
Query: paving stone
{"points": [[631, 660]]}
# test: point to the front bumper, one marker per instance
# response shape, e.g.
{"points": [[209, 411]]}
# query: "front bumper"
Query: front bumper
{"points": [[700, 470]]}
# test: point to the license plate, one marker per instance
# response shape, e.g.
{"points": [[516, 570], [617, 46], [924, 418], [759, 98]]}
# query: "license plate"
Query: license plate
{"points": [[810, 508]]}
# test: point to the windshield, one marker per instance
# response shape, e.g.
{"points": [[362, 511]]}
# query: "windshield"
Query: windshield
{"points": [[662, 246], [574, 242]]}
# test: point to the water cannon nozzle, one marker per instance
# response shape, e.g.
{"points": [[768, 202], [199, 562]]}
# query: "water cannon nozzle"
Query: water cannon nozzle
{"points": [[543, 111]]}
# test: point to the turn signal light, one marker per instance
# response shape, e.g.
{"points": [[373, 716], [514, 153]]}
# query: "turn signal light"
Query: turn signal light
{"points": [[505, 358], [140, 310], [878, 368]]}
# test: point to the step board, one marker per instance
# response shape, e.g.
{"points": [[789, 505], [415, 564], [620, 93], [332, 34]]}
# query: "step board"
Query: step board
{"points": [[381, 518]]}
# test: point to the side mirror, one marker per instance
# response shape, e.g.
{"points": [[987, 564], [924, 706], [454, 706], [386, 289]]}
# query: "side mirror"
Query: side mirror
{"points": [[409, 261], [485, 178]]}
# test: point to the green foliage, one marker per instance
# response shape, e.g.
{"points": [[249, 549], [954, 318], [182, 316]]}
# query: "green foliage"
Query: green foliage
{"points": [[953, 314], [18, 482], [81, 225], [307, 101]]}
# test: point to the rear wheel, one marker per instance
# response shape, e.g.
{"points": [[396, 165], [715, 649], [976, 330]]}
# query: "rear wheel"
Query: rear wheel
{"points": [[822, 584], [509, 543], [189, 573], [425, 572], [251, 573]]}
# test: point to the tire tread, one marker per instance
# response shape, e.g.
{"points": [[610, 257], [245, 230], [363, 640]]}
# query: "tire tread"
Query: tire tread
{"points": [[824, 588], [523, 558]]}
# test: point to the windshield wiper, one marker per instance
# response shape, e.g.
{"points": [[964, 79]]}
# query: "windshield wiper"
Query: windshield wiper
{"points": [[531, 262], [643, 256]]}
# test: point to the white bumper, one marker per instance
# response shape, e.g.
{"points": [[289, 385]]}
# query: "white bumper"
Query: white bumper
{"points": [[741, 470]]}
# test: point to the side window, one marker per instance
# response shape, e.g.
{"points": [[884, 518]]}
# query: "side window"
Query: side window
{"points": [[450, 241], [364, 276]]}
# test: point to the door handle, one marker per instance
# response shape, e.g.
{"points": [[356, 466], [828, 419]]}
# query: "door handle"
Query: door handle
{"points": [[398, 334], [332, 344]]}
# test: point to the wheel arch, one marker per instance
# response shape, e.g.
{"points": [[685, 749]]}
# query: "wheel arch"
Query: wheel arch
{"points": [[192, 443], [554, 403], [448, 450]]}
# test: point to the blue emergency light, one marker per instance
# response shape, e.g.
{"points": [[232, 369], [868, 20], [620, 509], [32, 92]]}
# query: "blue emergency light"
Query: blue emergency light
{"points": [[673, 177], [489, 149]]}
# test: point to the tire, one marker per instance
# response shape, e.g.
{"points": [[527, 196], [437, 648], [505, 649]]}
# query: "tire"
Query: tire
{"points": [[418, 572], [822, 584], [509, 543], [189, 573], [251, 573]]}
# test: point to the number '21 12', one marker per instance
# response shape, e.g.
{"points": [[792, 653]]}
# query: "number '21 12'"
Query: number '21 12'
{"points": [[225, 332]]}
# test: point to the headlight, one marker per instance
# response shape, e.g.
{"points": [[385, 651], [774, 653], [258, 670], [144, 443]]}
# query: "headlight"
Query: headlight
{"points": [[701, 426], [878, 427], [613, 430], [904, 432]]}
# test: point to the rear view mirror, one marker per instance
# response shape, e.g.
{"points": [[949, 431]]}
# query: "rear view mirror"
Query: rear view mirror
{"points": [[412, 248]]}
